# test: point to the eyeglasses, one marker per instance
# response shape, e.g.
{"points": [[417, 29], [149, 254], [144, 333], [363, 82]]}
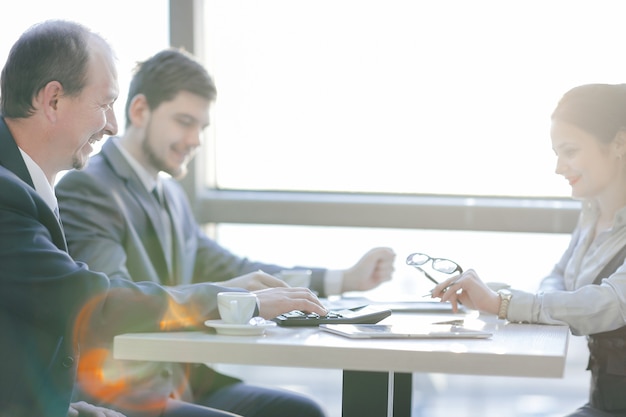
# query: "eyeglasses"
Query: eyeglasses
{"points": [[438, 264]]}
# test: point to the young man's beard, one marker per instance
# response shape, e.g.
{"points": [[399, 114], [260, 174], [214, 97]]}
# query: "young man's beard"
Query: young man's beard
{"points": [[158, 164], [78, 162]]}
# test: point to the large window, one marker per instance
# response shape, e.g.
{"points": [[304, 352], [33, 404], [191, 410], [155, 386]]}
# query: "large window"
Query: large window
{"points": [[401, 96], [361, 98], [391, 96]]}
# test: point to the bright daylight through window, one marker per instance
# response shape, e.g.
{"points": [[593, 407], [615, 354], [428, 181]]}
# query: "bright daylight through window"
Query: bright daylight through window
{"points": [[426, 97]]}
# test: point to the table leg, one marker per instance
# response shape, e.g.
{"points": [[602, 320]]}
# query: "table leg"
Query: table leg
{"points": [[402, 391], [367, 394]]}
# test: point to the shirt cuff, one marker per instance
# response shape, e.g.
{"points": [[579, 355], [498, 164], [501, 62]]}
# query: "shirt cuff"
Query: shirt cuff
{"points": [[521, 307], [333, 282]]}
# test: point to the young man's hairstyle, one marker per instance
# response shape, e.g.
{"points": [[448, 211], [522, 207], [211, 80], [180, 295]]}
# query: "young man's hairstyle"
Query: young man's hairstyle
{"points": [[164, 75]]}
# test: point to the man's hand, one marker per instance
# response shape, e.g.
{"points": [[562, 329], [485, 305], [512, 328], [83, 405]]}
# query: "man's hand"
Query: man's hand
{"points": [[374, 268], [83, 409], [254, 281], [276, 301]]}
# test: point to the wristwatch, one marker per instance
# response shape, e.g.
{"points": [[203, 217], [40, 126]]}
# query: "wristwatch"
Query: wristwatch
{"points": [[505, 299]]}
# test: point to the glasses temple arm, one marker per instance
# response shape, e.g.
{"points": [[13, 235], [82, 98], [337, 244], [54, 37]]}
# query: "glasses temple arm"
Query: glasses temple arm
{"points": [[426, 274]]}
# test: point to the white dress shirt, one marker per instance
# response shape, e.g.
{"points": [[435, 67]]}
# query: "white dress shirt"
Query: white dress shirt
{"points": [[42, 186]]}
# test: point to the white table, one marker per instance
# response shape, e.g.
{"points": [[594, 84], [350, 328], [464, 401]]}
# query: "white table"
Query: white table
{"points": [[377, 373]]}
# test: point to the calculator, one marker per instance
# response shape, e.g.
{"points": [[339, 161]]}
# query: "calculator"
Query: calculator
{"points": [[358, 315]]}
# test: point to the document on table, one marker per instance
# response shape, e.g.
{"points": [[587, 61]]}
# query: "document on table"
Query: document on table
{"points": [[408, 306], [418, 331]]}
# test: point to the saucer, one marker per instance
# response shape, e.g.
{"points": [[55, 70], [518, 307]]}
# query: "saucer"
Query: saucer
{"points": [[239, 329]]}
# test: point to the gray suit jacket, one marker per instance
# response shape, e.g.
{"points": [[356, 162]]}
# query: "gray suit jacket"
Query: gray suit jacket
{"points": [[113, 223]]}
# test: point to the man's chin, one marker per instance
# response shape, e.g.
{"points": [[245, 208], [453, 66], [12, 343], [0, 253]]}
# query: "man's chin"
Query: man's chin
{"points": [[79, 162], [178, 172]]}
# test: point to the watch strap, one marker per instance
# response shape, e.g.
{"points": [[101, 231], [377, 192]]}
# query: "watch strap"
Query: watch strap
{"points": [[505, 299]]}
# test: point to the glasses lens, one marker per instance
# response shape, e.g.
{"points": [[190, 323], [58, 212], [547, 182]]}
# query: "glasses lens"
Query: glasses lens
{"points": [[417, 259], [444, 265]]}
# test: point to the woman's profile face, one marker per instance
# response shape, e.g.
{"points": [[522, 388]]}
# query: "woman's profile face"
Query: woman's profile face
{"points": [[588, 164]]}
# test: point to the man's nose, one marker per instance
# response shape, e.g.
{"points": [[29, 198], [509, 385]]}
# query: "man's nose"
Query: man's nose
{"points": [[194, 138], [111, 126]]}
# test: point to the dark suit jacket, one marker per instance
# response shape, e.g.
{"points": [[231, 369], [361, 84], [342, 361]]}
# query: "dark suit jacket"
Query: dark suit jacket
{"points": [[50, 304]]}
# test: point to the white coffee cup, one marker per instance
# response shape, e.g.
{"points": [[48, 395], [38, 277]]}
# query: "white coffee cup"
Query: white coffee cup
{"points": [[296, 277], [236, 307]]}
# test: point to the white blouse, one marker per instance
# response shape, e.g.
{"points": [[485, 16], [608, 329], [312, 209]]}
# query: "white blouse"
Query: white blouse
{"points": [[566, 296]]}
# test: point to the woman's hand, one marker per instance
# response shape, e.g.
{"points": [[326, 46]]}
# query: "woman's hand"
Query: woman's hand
{"points": [[468, 289]]}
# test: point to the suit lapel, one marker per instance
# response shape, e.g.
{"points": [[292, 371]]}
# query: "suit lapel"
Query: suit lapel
{"points": [[10, 156], [11, 159], [145, 200]]}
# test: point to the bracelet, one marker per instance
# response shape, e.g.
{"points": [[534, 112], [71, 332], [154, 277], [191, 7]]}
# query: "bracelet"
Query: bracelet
{"points": [[505, 299]]}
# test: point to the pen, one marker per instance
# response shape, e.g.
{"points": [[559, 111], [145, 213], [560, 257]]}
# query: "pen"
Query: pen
{"points": [[455, 322], [444, 290]]}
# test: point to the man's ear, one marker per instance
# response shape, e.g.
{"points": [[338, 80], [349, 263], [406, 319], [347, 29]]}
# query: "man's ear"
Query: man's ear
{"points": [[48, 99], [138, 111]]}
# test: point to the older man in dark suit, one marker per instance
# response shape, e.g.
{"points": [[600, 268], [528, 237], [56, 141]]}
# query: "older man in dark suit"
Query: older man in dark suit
{"points": [[57, 90]]}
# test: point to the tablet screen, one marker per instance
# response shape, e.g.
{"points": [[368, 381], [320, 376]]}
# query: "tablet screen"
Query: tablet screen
{"points": [[390, 331]]}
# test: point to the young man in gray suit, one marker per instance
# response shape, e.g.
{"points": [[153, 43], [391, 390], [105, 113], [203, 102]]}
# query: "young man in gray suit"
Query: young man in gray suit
{"points": [[113, 221]]}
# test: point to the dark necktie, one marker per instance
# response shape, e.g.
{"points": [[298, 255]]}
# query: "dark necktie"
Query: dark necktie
{"points": [[167, 238]]}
